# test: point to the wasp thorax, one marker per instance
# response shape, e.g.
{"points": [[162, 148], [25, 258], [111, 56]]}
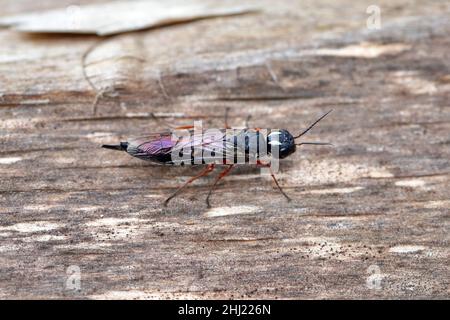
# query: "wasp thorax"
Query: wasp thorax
{"points": [[280, 142]]}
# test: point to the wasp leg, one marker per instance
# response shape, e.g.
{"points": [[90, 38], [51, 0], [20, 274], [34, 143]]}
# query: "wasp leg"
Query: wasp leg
{"points": [[259, 163], [247, 121], [161, 120], [207, 170], [279, 187], [227, 110], [221, 176], [184, 127]]}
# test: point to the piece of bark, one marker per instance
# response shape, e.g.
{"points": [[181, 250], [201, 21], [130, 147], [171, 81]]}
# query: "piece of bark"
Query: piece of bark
{"points": [[121, 16]]}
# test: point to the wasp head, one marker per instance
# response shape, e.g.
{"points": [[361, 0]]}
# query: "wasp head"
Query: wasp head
{"points": [[282, 140]]}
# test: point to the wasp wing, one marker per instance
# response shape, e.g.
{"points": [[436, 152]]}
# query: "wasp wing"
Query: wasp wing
{"points": [[152, 147], [211, 146], [190, 146]]}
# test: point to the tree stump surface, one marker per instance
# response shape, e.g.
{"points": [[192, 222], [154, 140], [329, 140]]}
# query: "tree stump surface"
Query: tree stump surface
{"points": [[370, 216]]}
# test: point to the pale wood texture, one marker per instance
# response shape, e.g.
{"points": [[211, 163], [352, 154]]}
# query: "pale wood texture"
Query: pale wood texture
{"points": [[379, 200]]}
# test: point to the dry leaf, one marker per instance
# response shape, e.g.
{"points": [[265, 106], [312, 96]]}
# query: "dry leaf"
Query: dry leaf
{"points": [[122, 16]]}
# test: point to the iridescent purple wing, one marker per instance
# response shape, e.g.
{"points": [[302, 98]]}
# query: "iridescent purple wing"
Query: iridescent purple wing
{"points": [[154, 147], [211, 146], [169, 147]]}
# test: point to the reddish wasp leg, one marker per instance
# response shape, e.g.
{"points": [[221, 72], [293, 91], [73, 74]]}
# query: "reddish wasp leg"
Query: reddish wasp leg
{"points": [[259, 163], [226, 118], [158, 119], [247, 121], [207, 170], [221, 176], [184, 127]]}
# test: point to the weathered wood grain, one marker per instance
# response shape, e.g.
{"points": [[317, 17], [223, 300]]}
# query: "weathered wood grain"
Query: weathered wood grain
{"points": [[378, 201]]}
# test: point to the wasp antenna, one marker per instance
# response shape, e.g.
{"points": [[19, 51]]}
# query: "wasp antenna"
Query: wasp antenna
{"points": [[121, 147], [311, 126], [316, 143]]}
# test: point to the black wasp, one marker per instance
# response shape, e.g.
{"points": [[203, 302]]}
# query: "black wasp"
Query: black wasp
{"points": [[216, 147]]}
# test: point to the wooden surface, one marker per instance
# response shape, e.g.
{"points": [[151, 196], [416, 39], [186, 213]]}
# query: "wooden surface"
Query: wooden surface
{"points": [[370, 217]]}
